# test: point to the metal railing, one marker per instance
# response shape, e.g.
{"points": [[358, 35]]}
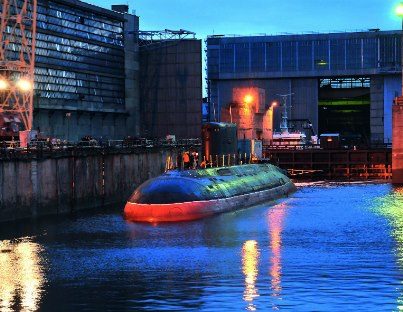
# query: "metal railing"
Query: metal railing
{"points": [[47, 148]]}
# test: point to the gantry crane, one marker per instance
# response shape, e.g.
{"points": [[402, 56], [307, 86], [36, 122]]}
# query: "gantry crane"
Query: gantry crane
{"points": [[17, 58]]}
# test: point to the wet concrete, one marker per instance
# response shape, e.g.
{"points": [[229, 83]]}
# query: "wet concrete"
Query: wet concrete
{"points": [[55, 185]]}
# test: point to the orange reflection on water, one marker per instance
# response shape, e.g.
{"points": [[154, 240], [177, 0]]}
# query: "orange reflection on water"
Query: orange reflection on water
{"points": [[276, 218], [21, 276], [250, 261]]}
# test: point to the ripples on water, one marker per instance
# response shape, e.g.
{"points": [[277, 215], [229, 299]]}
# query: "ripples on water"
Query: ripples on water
{"points": [[328, 247]]}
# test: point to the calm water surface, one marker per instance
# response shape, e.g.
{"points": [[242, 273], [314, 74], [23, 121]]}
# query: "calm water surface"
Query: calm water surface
{"points": [[333, 247]]}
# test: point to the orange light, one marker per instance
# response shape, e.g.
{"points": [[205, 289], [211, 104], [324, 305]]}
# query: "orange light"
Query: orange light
{"points": [[248, 99], [3, 84], [273, 104]]}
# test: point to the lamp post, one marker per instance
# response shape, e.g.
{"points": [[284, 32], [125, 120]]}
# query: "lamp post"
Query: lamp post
{"points": [[68, 115], [399, 13], [273, 105]]}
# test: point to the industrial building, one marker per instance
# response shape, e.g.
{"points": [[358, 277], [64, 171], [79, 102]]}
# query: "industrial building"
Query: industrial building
{"points": [[86, 71], [337, 82], [170, 84], [87, 74]]}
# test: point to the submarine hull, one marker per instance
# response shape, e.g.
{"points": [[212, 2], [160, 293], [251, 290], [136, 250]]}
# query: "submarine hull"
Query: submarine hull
{"points": [[185, 196]]}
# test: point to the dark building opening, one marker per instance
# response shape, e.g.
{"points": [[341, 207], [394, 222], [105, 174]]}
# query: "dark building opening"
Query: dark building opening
{"points": [[344, 108]]}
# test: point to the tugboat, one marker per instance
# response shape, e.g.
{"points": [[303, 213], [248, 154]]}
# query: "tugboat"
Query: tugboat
{"points": [[193, 194]]}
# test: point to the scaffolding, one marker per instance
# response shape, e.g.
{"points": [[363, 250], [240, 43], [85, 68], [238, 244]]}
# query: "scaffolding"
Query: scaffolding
{"points": [[149, 37], [17, 58]]}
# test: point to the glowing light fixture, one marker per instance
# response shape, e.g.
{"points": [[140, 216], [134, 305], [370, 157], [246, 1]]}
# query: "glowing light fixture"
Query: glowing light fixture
{"points": [[273, 104], [248, 99], [399, 9], [3, 84], [321, 62], [24, 85]]}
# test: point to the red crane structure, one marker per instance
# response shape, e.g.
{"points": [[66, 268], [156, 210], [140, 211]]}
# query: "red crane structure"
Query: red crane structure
{"points": [[17, 58]]}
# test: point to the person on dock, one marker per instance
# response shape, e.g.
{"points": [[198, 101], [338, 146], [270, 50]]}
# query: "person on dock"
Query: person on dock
{"points": [[186, 160], [203, 164], [194, 158]]}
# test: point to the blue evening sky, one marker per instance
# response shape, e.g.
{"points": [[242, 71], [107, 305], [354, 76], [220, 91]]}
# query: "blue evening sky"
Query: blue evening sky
{"points": [[245, 17], [207, 17]]}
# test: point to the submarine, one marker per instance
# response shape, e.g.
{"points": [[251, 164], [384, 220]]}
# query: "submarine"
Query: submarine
{"points": [[187, 195], [184, 195]]}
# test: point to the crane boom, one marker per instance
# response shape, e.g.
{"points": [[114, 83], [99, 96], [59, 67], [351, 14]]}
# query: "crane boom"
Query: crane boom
{"points": [[17, 58]]}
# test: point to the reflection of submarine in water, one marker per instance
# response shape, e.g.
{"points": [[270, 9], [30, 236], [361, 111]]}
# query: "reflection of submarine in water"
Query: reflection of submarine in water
{"points": [[194, 194]]}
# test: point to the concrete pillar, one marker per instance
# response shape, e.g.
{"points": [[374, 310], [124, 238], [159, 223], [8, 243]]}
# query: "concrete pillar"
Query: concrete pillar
{"points": [[397, 141], [376, 110], [132, 100]]}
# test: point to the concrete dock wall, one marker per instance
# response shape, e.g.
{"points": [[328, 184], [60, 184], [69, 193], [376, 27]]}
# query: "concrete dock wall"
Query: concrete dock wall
{"points": [[54, 185]]}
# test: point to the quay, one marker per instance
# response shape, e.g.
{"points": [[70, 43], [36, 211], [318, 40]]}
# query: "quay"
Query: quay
{"points": [[340, 164], [38, 182]]}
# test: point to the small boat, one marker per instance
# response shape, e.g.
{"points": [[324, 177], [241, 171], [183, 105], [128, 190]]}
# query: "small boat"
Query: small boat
{"points": [[193, 194]]}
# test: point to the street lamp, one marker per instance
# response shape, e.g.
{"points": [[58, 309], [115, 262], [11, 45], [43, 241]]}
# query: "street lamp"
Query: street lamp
{"points": [[399, 13], [273, 105]]}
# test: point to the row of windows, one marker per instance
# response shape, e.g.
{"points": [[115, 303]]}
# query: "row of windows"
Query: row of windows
{"points": [[59, 74], [78, 24], [92, 64], [81, 17], [335, 54], [115, 39], [88, 57], [80, 66], [345, 83], [75, 98], [94, 59], [83, 21], [78, 90], [65, 45], [58, 84], [77, 82]]}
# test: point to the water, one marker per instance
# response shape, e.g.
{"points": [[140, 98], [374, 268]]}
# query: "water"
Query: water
{"points": [[326, 248]]}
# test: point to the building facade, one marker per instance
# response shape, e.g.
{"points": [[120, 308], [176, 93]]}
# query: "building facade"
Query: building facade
{"points": [[86, 71], [338, 82], [171, 88]]}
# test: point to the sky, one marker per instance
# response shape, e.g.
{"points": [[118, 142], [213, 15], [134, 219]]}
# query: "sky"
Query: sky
{"points": [[207, 17], [251, 17]]}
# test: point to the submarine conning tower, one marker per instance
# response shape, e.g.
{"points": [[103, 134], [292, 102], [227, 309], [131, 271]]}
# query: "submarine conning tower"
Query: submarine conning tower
{"points": [[219, 138]]}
